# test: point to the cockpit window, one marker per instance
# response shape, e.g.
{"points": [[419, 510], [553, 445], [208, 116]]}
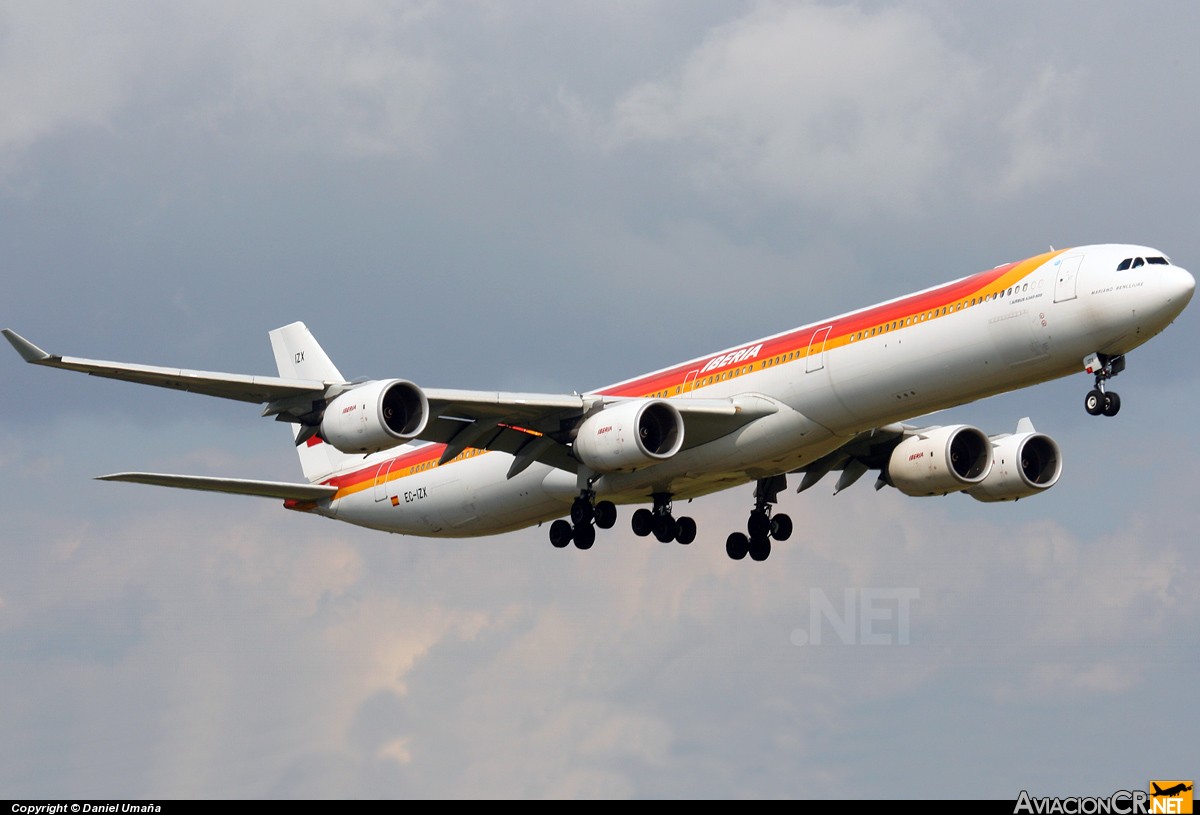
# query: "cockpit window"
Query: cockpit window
{"points": [[1133, 263]]}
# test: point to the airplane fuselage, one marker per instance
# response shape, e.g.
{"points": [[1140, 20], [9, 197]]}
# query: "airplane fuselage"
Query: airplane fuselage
{"points": [[1007, 328]]}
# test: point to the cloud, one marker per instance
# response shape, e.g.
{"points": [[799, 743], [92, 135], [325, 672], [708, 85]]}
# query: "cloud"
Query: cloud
{"points": [[857, 111], [358, 81], [61, 66], [275, 654]]}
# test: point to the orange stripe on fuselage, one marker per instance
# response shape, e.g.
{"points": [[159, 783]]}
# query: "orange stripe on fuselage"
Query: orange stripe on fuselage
{"points": [[408, 463], [794, 344]]}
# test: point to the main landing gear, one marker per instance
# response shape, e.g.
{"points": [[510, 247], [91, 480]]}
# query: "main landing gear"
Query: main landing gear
{"points": [[585, 511], [762, 527], [662, 524], [1099, 400]]}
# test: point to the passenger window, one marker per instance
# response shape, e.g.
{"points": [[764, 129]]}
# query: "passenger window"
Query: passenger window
{"points": [[1123, 265]]}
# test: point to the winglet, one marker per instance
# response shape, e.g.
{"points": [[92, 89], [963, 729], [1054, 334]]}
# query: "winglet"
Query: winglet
{"points": [[28, 351]]}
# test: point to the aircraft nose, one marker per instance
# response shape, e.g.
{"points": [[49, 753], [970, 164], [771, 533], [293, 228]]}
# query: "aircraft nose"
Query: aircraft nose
{"points": [[1178, 284]]}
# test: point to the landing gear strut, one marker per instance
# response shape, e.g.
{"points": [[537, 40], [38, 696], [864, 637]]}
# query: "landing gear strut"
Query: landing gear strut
{"points": [[762, 527], [1099, 400], [661, 523], [585, 511]]}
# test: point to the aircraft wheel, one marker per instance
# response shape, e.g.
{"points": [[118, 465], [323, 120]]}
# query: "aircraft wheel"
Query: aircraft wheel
{"points": [[606, 514], [759, 525], [1093, 403], [643, 522], [560, 533], [737, 545], [582, 512], [760, 548], [781, 527], [1112, 404], [665, 528], [686, 532], [585, 536]]}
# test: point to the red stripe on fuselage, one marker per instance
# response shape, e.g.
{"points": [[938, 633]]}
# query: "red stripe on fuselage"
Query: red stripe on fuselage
{"points": [[840, 328]]}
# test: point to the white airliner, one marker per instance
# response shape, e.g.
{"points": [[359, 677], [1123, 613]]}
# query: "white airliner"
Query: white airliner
{"points": [[390, 455]]}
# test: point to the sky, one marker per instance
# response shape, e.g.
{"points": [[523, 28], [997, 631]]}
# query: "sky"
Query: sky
{"points": [[553, 197]]}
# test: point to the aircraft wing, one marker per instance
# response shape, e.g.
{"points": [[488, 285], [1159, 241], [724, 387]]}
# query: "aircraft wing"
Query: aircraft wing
{"points": [[226, 386], [236, 486], [866, 451], [532, 426]]}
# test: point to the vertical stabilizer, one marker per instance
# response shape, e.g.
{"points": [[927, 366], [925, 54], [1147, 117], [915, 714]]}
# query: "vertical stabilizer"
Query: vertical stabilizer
{"points": [[298, 355]]}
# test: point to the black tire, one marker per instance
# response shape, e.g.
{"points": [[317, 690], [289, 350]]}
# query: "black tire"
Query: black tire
{"points": [[686, 530], [781, 527], [665, 528], [1112, 404], [585, 536], [759, 525], [1093, 403], [560, 533], [581, 512], [760, 548], [643, 522], [606, 514], [737, 545]]}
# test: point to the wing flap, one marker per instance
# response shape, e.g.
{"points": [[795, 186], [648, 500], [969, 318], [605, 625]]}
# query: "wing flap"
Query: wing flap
{"points": [[234, 486]]}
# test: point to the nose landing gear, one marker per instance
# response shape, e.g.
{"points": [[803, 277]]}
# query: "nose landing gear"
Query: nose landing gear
{"points": [[1099, 400]]}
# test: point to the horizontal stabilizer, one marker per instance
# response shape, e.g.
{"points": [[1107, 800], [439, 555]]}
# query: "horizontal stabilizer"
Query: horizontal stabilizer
{"points": [[236, 486]]}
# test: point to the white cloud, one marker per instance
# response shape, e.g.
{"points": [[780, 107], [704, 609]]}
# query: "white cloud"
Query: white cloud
{"points": [[845, 109]]}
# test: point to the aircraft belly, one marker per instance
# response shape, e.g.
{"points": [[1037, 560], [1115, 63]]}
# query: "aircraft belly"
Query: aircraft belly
{"points": [[767, 446]]}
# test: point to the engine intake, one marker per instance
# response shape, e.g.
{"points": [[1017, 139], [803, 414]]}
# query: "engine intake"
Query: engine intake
{"points": [[1025, 464], [375, 416], [941, 460], [629, 435]]}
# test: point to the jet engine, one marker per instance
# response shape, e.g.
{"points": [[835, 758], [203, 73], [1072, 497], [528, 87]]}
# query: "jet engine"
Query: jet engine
{"points": [[375, 416], [1023, 464], [629, 435], [940, 460]]}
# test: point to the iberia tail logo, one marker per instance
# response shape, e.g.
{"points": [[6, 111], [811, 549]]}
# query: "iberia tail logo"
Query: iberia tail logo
{"points": [[1171, 797]]}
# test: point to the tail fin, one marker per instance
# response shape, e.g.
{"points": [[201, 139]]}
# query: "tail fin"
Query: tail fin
{"points": [[298, 355]]}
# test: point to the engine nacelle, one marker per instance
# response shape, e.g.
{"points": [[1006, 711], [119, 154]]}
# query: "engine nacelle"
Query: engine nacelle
{"points": [[375, 416], [629, 435], [1023, 464], [941, 461]]}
